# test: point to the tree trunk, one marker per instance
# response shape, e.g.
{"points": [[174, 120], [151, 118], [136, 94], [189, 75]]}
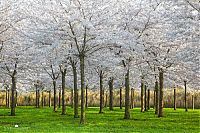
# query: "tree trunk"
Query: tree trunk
{"points": [[13, 96], [44, 100], [75, 91], [82, 66], [59, 98], [101, 92], [157, 98], [103, 97], [6, 97], [127, 101], [36, 96], [145, 98], [174, 99], [154, 99], [185, 84], [133, 98], [111, 94], [63, 92], [54, 97], [160, 113], [16, 99], [72, 98], [49, 98], [120, 97], [86, 96], [142, 95], [148, 100]]}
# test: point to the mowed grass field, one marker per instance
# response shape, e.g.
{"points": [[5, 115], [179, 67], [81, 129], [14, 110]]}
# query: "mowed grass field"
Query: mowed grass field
{"points": [[29, 119]]}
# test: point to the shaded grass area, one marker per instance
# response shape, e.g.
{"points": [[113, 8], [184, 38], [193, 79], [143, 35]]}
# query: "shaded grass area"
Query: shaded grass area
{"points": [[29, 119]]}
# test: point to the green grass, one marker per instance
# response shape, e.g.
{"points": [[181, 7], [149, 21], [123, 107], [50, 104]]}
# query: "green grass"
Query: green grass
{"points": [[31, 119]]}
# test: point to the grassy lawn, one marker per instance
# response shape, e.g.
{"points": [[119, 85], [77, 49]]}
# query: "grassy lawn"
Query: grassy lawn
{"points": [[31, 119]]}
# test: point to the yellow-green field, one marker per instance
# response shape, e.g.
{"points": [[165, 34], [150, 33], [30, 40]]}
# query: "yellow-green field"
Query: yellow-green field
{"points": [[29, 119]]}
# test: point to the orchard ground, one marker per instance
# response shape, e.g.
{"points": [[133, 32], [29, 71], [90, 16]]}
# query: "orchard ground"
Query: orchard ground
{"points": [[29, 119]]}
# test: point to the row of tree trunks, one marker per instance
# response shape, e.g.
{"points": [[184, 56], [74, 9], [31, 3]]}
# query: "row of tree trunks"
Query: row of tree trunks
{"points": [[7, 98]]}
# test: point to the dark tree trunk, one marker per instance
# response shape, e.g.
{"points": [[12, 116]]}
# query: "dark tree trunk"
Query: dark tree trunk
{"points": [[6, 97], [72, 98], [44, 100], [174, 99], [54, 97], [133, 98], [145, 98], [111, 94], [127, 101], [86, 96], [103, 97], [148, 100], [75, 91], [160, 113], [101, 92], [82, 66], [59, 98], [154, 98], [157, 98], [63, 92], [13, 96], [36, 96], [185, 84], [49, 98], [142, 95], [16, 99], [120, 97]]}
